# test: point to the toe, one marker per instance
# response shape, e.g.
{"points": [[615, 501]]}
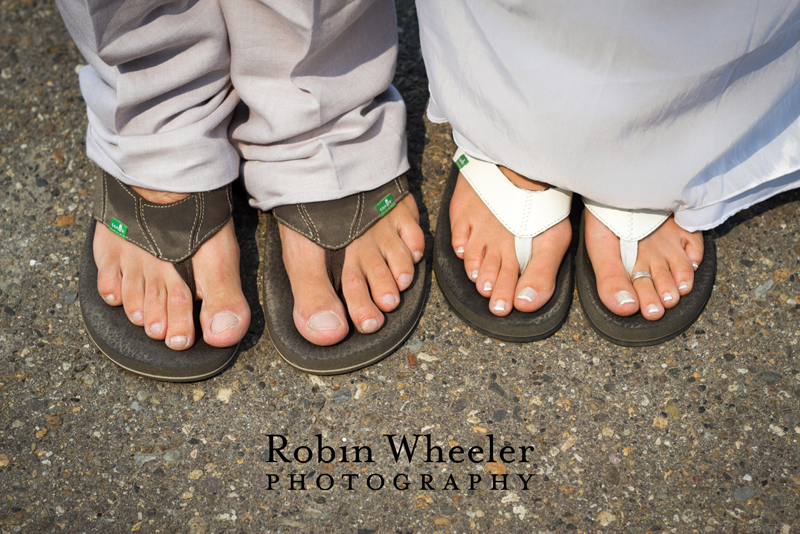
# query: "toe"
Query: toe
{"points": [[109, 284], [536, 285], [488, 272], [649, 301], [683, 275], [502, 300], [408, 227], [380, 279], [616, 292], [473, 259], [362, 309], [155, 309], [180, 322], [400, 264], [318, 313], [460, 225], [133, 289], [224, 319], [225, 315], [613, 283], [460, 231], [682, 268], [694, 248], [665, 286], [109, 276]]}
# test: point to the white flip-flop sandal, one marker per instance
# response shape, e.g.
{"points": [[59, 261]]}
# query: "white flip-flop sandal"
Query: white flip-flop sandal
{"points": [[525, 214], [631, 226]]}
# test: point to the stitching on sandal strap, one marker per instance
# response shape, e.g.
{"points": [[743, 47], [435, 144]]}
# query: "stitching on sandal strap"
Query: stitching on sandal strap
{"points": [[167, 231], [334, 224]]}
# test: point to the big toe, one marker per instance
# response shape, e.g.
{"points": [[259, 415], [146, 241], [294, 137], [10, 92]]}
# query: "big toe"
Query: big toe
{"points": [[318, 313], [613, 283], [537, 284], [319, 319], [224, 318], [225, 315]]}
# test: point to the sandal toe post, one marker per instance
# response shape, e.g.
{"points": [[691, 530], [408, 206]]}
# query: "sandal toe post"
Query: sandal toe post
{"points": [[324, 223], [124, 343], [472, 308]]}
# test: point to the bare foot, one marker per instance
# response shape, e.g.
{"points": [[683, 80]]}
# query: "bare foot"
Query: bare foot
{"points": [[377, 267], [155, 297], [668, 254], [487, 249]]}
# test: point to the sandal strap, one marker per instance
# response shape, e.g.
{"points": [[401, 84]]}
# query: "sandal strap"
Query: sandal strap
{"points": [[524, 213], [334, 224], [630, 226], [170, 232]]}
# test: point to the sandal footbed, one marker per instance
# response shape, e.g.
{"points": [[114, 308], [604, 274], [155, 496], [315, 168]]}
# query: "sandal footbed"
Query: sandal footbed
{"points": [[128, 346], [473, 308], [635, 330], [356, 350]]}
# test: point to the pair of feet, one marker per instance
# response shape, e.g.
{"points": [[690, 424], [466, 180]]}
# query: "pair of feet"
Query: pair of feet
{"points": [[670, 255], [378, 266]]}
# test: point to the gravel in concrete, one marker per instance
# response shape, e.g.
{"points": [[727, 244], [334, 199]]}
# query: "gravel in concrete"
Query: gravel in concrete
{"points": [[699, 434]]}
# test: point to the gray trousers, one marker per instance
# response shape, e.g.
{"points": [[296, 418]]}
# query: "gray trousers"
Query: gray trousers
{"points": [[296, 96]]}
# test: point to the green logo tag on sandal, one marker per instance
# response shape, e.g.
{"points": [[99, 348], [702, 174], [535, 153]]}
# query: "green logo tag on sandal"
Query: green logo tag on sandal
{"points": [[385, 205], [460, 162], [118, 228]]}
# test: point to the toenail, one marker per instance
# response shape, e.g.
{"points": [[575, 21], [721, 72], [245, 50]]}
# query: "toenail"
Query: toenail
{"points": [[324, 320], [623, 297], [223, 321], [683, 285], [460, 251], [389, 300], [404, 280], [137, 316], [487, 286], [111, 299], [651, 309], [527, 294], [178, 342], [666, 297], [500, 305], [418, 255], [156, 329], [369, 326], [473, 275], [695, 265]]}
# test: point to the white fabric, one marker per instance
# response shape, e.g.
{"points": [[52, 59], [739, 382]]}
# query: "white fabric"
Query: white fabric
{"points": [[630, 226], [164, 78], [683, 106], [524, 213]]}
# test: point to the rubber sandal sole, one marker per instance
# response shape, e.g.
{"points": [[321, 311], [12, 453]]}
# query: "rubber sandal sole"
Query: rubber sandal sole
{"points": [[472, 308], [635, 330], [356, 350], [128, 346]]}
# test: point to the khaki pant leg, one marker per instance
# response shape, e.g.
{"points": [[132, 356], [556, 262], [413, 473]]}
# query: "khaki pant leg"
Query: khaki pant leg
{"points": [[157, 89], [322, 120]]}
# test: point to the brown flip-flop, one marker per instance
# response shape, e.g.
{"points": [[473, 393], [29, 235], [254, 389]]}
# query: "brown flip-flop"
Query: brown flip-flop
{"points": [[333, 225], [170, 232]]}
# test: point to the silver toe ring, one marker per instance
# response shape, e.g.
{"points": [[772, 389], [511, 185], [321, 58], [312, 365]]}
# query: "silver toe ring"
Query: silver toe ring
{"points": [[640, 274]]}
